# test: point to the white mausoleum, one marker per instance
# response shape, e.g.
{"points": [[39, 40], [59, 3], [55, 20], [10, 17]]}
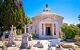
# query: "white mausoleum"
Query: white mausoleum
{"points": [[47, 23]]}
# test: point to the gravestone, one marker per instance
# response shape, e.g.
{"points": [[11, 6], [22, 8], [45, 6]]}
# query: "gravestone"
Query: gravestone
{"points": [[38, 44], [24, 43], [14, 36], [11, 38], [55, 42]]}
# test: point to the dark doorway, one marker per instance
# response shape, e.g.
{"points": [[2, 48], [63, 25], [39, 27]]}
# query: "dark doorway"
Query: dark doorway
{"points": [[48, 31]]}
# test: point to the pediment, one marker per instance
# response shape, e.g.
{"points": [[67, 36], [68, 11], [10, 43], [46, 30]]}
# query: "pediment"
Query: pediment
{"points": [[46, 19]]}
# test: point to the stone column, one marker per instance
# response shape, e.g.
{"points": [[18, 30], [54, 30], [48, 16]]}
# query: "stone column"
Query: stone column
{"points": [[40, 30], [44, 29], [53, 29], [57, 30]]}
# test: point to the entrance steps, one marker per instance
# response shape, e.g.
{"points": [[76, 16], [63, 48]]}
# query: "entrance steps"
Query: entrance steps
{"points": [[46, 37]]}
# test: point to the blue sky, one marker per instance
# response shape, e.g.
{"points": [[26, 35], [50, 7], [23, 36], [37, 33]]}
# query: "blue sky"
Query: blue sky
{"points": [[69, 9]]}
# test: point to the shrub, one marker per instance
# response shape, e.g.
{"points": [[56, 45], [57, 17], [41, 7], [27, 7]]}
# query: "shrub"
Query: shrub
{"points": [[69, 30], [32, 35], [19, 31], [77, 37]]}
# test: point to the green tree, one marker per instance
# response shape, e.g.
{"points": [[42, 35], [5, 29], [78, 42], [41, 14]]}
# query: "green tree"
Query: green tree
{"points": [[78, 25], [79, 17], [11, 13], [69, 30]]}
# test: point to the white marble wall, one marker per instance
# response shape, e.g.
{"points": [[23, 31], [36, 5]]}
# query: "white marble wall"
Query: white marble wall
{"points": [[46, 19], [38, 26], [48, 22]]}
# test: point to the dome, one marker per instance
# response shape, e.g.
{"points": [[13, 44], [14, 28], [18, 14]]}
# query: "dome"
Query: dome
{"points": [[47, 13], [46, 9]]}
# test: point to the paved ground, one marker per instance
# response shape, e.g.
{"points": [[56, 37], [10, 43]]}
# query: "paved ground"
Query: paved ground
{"points": [[44, 42]]}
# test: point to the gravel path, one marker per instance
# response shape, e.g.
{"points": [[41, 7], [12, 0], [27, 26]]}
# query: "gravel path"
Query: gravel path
{"points": [[44, 42]]}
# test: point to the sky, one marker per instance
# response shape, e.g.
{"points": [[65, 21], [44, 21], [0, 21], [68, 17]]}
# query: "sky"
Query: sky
{"points": [[69, 9]]}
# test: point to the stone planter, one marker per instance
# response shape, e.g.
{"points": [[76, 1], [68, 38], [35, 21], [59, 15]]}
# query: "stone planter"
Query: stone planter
{"points": [[39, 45], [58, 48], [77, 43], [70, 40], [66, 46]]}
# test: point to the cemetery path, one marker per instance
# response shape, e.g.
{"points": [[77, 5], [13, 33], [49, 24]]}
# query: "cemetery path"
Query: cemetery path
{"points": [[33, 42]]}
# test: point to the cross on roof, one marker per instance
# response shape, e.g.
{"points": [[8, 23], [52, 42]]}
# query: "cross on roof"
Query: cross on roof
{"points": [[46, 5]]}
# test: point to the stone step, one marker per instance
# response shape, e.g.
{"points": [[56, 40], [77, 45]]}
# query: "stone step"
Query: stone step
{"points": [[46, 37]]}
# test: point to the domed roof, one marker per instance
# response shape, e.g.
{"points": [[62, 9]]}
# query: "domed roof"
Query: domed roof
{"points": [[46, 9], [47, 12]]}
